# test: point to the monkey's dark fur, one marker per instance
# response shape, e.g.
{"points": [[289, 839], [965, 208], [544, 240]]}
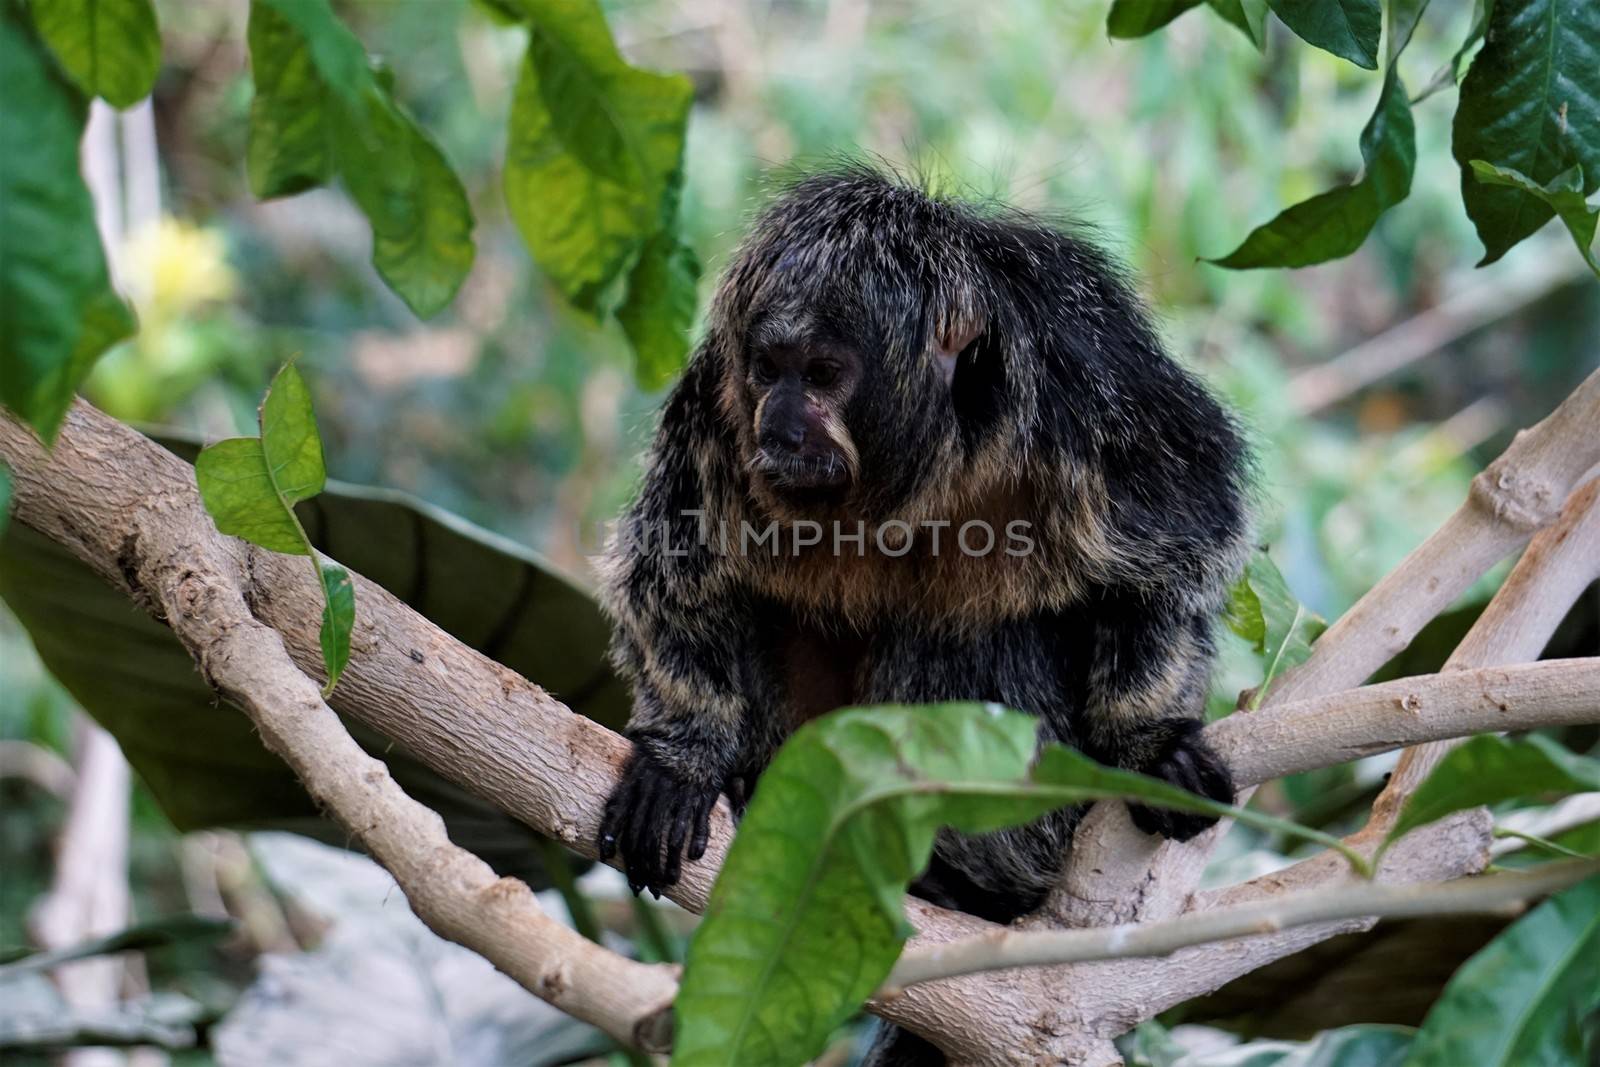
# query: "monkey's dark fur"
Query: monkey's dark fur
{"points": [[1061, 410]]}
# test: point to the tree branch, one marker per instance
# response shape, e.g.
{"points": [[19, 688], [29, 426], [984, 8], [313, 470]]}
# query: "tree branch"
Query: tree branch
{"points": [[197, 581], [1327, 731], [1361, 900]]}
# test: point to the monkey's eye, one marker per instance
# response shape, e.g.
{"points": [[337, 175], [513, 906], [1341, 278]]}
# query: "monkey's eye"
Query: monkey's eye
{"points": [[764, 368], [821, 373]]}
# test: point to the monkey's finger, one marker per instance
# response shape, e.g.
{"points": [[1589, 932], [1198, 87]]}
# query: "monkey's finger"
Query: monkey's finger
{"points": [[680, 832], [650, 820], [611, 822], [702, 827], [632, 830]]}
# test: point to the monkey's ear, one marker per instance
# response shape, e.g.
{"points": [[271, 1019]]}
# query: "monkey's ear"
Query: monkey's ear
{"points": [[951, 337]]}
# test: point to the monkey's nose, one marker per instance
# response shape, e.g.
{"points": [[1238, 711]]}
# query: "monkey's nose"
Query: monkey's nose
{"points": [[791, 436]]}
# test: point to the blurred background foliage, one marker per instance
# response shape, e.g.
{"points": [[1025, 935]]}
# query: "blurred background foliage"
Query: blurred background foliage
{"points": [[1374, 386]]}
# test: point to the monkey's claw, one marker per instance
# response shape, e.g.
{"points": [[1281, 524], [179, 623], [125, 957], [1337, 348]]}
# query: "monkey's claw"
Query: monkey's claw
{"points": [[651, 815], [1189, 763]]}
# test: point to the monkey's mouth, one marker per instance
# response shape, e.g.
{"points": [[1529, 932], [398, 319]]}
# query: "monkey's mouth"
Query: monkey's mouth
{"points": [[794, 471]]}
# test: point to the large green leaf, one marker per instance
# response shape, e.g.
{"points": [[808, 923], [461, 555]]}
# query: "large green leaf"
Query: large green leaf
{"points": [[206, 767], [1334, 223], [1347, 28], [1136, 18], [1563, 195], [1523, 1000], [1489, 769], [57, 310], [663, 288], [321, 109], [805, 920], [1263, 611], [289, 149], [595, 147], [111, 48], [659, 310], [1531, 104]]}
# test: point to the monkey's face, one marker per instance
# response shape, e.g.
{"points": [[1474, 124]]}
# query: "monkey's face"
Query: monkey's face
{"points": [[797, 393]]}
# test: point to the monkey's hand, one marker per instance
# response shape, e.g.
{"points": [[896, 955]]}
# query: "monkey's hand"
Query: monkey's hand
{"points": [[652, 814], [1186, 761]]}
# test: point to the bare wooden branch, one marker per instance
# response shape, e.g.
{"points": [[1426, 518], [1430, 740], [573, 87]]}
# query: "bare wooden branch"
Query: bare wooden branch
{"points": [[1327, 731], [197, 580], [1490, 894]]}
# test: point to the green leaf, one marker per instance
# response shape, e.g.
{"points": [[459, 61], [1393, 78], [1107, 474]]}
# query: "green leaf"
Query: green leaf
{"points": [[1489, 769], [594, 151], [289, 438], [806, 919], [321, 109], [1523, 999], [1335, 223], [1250, 16], [1347, 28], [289, 149], [1530, 104], [111, 48], [659, 310], [236, 488], [5, 497], [157, 933], [1136, 18], [1562, 195], [250, 486], [421, 221], [206, 767], [338, 619], [1262, 610], [60, 311]]}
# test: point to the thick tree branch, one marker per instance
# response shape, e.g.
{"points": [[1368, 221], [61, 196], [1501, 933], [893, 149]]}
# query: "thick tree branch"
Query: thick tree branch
{"points": [[197, 581], [1327, 731]]}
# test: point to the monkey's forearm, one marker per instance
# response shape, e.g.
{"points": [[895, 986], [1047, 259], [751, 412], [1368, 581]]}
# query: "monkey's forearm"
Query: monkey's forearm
{"points": [[1145, 703]]}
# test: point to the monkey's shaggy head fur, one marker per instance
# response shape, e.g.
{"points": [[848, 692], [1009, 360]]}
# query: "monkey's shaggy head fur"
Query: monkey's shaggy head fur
{"points": [[1059, 370]]}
